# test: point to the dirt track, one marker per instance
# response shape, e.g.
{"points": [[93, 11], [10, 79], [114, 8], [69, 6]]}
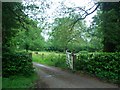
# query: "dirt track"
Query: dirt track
{"points": [[51, 77]]}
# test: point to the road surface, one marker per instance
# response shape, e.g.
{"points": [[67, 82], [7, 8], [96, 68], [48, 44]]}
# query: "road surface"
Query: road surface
{"points": [[52, 77]]}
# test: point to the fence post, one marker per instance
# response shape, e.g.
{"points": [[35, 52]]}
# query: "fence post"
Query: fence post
{"points": [[74, 59], [66, 57]]}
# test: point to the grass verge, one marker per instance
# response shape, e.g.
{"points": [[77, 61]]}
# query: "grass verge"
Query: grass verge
{"points": [[0, 82], [19, 81]]}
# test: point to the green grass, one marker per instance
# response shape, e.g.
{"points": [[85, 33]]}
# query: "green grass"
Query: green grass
{"points": [[47, 53], [50, 58], [38, 58], [19, 81]]}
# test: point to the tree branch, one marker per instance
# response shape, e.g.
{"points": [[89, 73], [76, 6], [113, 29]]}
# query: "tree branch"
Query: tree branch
{"points": [[81, 18]]}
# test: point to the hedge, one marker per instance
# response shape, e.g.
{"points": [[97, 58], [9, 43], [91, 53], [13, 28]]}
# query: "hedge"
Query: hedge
{"points": [[18, 63], [103, 65]]}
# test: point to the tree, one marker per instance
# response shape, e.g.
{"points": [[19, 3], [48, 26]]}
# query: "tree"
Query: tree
{"points": [[63, 36], [110, 25], [8, 23], [17, 23], [105, 27], [95, 34], [13, 18], [32, 38]]}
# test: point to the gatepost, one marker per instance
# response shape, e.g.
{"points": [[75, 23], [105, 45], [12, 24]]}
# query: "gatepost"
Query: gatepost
{"points": [[74, 58]]}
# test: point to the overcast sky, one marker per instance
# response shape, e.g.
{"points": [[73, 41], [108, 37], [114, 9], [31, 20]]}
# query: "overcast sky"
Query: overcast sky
{"points": [[70, 3]]}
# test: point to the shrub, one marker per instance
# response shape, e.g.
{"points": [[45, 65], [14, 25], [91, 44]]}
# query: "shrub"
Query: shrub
{"points": [[103, 65], [56, 60], [17, 63], [61, 61]]}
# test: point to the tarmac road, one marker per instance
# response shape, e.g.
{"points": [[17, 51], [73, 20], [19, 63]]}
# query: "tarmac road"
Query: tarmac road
{"points": [[52, 77]]}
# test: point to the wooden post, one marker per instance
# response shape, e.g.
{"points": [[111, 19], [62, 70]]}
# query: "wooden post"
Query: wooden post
{"points": [[74, 58], [30, 55], [42, 56], [66, 57]]}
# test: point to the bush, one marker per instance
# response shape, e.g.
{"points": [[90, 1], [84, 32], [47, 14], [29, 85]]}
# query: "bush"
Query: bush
{"points": [[61, 61], [17, 63], [103, 65]]}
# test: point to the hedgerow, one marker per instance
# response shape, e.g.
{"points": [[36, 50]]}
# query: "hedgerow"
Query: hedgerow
{"points": [[103, 65], [17, 63]]}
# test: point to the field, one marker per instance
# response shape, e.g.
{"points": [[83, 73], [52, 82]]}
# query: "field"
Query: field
{"points": [[50, 58]]}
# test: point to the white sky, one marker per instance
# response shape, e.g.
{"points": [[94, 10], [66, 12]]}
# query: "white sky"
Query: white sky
{"points": [[70, 3]]}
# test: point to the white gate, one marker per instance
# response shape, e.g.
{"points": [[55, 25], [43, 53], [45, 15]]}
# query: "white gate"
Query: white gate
{"points": [[69, 59]]}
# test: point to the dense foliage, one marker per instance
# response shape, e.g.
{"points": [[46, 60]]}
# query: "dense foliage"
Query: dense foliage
{"points": [[30, 40], [19, 31], [17, 63], [103, 65]]}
